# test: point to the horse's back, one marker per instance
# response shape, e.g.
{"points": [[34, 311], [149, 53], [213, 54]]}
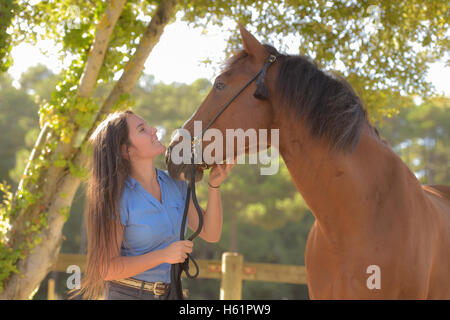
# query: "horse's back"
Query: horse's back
{"points": [[439, 195], [438, 190]]}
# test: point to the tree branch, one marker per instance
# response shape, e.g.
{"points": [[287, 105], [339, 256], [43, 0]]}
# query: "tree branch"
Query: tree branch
{"points": [[98, 50], [134, 67]]}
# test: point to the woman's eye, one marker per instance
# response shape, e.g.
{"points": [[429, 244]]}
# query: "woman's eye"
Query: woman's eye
{"points": [[219, 85]]}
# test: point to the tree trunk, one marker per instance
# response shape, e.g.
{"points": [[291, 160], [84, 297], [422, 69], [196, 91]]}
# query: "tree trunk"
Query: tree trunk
{"points": [[39, 261], [57, 185]]}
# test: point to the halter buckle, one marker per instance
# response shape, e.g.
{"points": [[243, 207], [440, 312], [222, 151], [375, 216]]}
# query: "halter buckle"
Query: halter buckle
{"points": [[195, 140], [194, 150], [203, 165]]}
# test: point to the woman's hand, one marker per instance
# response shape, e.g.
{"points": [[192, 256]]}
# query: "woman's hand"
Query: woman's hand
{"points": [[219, 172], [177, 251]]}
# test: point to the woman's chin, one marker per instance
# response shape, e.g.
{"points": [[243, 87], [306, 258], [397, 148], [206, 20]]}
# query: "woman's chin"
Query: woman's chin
{"points": [[157, 152], [162, 148]]}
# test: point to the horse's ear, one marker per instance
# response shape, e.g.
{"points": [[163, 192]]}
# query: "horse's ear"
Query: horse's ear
{"points": [[252, 46]]}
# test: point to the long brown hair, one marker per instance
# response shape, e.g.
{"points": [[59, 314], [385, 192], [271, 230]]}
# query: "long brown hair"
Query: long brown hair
{"points": [[109, 170]]}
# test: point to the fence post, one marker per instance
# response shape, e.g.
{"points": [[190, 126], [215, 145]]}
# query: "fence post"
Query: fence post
{"points": [[231, 284], [51, 289]]}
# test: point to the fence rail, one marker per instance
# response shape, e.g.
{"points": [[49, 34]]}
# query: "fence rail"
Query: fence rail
{"points": [[232, 270]]}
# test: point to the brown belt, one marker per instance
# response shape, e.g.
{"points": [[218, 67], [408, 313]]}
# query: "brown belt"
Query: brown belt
{"points": [[157, 288]]}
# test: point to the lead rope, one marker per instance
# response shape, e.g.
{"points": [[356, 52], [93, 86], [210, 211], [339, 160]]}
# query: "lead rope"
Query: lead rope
{"points": [[191, 190], [175, 290]]}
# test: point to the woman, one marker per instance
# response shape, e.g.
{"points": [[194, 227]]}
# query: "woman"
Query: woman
{"points": [[134, 212]]}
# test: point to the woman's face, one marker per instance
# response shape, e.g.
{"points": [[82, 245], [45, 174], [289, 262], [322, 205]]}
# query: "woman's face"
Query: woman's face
{"points": [[144, 139]]}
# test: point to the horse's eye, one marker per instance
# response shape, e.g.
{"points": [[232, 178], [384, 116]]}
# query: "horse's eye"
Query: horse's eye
{"points": [[219, 85]]}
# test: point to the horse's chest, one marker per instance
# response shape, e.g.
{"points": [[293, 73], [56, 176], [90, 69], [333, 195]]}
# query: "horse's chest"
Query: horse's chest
{"points": [[365, 270]]}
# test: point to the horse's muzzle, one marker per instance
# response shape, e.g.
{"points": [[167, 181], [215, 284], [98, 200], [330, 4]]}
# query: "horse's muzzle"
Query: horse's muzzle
{"points": [[177, 171]]}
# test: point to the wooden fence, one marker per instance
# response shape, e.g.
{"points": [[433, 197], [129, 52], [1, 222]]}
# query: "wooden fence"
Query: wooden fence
{"points": [[231, 270]]}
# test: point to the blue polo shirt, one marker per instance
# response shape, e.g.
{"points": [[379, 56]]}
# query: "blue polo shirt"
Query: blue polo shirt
{"points": [[149, 224]]}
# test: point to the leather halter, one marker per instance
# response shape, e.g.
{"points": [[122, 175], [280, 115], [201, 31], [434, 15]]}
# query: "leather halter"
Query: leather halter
{"points": [[261, 74], [177, 269]]}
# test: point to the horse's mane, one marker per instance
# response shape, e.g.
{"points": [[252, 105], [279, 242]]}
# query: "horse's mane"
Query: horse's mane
{"points": [[326, 101]]}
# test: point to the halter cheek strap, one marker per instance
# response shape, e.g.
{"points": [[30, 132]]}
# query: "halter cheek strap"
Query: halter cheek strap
{"points": [[262, 92]]}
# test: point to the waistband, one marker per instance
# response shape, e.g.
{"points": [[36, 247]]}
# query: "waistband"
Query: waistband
{"points": [[157, 288]]}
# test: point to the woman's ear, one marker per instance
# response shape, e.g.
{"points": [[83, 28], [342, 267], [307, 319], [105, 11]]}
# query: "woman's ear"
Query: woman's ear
{"points": [[124, 150]]}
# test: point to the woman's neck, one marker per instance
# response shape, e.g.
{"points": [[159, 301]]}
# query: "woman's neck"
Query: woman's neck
{"points": [[144, 173]]}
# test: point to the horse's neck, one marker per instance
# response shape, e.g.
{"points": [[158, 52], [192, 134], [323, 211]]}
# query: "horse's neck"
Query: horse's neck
{"points": [[342, 190]]}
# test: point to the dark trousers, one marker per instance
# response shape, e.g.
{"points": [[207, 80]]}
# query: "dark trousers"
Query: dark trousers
{"points": [[115, 291]]}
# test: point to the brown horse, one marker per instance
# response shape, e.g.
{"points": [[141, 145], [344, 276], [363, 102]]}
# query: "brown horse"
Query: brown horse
{"points": [[378, 233]]}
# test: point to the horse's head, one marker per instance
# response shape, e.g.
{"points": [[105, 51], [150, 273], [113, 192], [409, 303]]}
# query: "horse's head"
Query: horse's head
{"points": [[251, 109]]}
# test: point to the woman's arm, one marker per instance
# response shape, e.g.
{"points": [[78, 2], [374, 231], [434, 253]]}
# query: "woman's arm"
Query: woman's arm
{"points": [[121, 267], [212, 218]]}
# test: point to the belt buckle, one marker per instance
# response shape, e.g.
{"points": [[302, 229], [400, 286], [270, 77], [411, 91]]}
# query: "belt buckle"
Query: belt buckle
{"points": [[156, 291]]}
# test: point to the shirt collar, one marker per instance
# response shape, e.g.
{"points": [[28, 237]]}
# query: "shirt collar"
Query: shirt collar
{"points": [[130, 182]]}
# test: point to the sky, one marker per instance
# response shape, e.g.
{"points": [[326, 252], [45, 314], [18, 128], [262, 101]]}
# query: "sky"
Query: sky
{"points": [[179, 54]]}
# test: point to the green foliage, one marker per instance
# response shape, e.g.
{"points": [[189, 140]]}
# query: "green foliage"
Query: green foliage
{"points": [[127, 33], [55, 113], [65, 112], [170, 105], [382, 47], [8, 255], [420, 135], [14, 121], [8, 9], [65, 212], [8, 260], [39, 82]]}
